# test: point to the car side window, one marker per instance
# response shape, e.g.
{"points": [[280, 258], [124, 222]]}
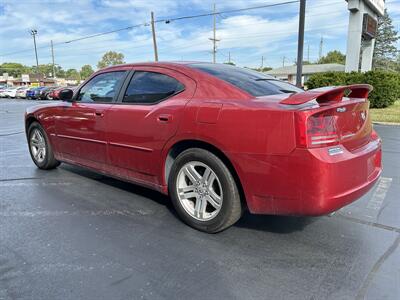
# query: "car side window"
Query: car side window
{"points": [[102, 88], [151, 87]]}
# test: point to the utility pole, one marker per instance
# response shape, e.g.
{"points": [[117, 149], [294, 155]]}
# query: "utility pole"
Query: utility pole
{"points": [[52, 57], [34, 33], [283, 61], [154, 37], [214, 38], [262, 62], [321, 45], [308, 53], [300, 46], [229, 57]]}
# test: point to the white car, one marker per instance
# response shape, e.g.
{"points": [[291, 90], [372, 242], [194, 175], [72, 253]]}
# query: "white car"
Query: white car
{"points": [[3, 91], [21, 92], [11, 92]]}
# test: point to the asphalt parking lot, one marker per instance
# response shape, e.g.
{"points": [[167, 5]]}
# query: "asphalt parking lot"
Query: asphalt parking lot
{"points": [[73, 234]]}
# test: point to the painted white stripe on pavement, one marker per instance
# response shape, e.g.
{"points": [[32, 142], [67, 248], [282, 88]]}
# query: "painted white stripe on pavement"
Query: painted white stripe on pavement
{"points": [[374, 205]]}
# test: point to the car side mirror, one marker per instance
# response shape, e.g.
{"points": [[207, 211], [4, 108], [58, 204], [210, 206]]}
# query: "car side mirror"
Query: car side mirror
{"points": [[66, 95]]}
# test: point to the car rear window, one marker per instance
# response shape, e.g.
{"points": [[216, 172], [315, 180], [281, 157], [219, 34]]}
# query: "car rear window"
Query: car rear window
{"points": [[250, 81]]}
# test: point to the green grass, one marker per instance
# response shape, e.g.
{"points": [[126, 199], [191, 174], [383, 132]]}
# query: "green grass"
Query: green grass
{"points": [[389, 114]]}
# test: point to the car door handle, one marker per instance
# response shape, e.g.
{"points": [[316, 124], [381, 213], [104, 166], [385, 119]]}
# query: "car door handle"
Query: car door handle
{"points": [[164, 118], [99, 114]]}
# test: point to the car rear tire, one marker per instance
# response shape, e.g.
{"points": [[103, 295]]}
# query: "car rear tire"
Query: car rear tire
{"points": [[203, 191], [40, 148]]}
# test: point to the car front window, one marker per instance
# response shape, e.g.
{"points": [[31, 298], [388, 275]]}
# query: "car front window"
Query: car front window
{"points": [[102, 88]]}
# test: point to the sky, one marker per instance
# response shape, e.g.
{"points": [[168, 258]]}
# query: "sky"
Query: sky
{"points": [[246, 36]]}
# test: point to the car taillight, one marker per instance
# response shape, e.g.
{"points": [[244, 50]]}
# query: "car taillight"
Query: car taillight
{"points": [[317, 130]]}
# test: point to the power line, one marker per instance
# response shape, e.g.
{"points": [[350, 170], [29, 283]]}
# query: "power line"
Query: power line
{"points": [[102, 41], [103, 33], [227, 11], [165, 20], [191, 44]]}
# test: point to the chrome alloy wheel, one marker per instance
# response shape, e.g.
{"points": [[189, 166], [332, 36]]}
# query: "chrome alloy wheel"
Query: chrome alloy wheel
{"points": [[38, 145], [199, 191]]}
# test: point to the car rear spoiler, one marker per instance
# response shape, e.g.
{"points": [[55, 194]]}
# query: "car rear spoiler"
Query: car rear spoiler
{"points": [[332, 94]]}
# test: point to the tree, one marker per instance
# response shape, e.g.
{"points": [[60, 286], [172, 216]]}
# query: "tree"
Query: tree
{"points": [[110, 58], [14, 69], [385, 50], [86, 71], [72, 74], [47, 70], [264, 69], [229, 63], [333, 57]]}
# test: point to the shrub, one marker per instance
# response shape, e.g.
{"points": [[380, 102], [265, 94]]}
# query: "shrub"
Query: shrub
{"points": [[326, 79], [386, 84]]}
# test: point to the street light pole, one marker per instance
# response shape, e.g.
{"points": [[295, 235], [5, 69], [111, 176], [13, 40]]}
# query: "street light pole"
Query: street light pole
{"points": [[34, 33], [300, 47]]}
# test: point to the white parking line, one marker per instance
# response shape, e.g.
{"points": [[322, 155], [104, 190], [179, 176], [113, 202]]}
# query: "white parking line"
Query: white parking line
{"points": [[14, 183], [374, 205], [59, 213]]}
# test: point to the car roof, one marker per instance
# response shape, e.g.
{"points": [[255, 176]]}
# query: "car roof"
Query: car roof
{"points": [[157, 64]]}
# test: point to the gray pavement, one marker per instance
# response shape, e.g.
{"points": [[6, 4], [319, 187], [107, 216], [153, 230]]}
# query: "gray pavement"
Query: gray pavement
{"points": [[73, 234]]}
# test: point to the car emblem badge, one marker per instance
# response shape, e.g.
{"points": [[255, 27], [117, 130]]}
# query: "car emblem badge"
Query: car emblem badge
{"points": [[335, 151], [341, 109]]}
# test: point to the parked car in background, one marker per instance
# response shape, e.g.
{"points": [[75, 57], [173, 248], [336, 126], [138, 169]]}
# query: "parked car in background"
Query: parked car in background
{"points": [[34, 93], [43, 95], [3, 91], [55, 93], [10, 92], [21, 92], [30, 92], [217, 139]]}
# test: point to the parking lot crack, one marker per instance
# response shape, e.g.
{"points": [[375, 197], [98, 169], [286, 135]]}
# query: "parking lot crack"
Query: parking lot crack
{"points": [[368, 223], [11, 133], [22, 178]]}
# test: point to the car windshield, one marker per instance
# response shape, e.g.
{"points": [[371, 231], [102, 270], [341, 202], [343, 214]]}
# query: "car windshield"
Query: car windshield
{"points": [[255, 83]]}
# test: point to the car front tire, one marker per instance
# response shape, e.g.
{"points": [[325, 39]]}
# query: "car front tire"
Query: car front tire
{"points": [[40, 148], [203, 191]]}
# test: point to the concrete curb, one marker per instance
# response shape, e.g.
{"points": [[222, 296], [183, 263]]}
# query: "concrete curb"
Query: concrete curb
{"points": [[386, 123]]}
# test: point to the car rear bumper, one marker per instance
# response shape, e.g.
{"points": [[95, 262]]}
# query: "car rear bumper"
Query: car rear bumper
{"points": [[310, 182]]}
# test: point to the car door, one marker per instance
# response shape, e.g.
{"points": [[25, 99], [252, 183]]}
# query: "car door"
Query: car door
{"points": [[80, 125], [145, 117]]}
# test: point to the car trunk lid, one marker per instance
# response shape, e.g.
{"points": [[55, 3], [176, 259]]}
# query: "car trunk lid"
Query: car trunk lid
{"points": [[340, 116]]}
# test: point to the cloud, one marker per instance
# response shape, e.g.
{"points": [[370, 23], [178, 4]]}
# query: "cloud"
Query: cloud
{"points": [[248, 35]]}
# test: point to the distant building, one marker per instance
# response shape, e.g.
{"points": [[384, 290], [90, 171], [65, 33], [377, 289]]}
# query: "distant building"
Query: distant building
{"points": [[27, 79], [67, 82], [289, 73], [5, 79]]}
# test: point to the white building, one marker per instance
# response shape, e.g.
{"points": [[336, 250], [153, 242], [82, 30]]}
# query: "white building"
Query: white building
{"points": [[289, 73]]}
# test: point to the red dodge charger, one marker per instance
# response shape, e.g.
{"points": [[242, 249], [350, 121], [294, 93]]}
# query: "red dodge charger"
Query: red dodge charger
{"points": [[216, 138]]}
